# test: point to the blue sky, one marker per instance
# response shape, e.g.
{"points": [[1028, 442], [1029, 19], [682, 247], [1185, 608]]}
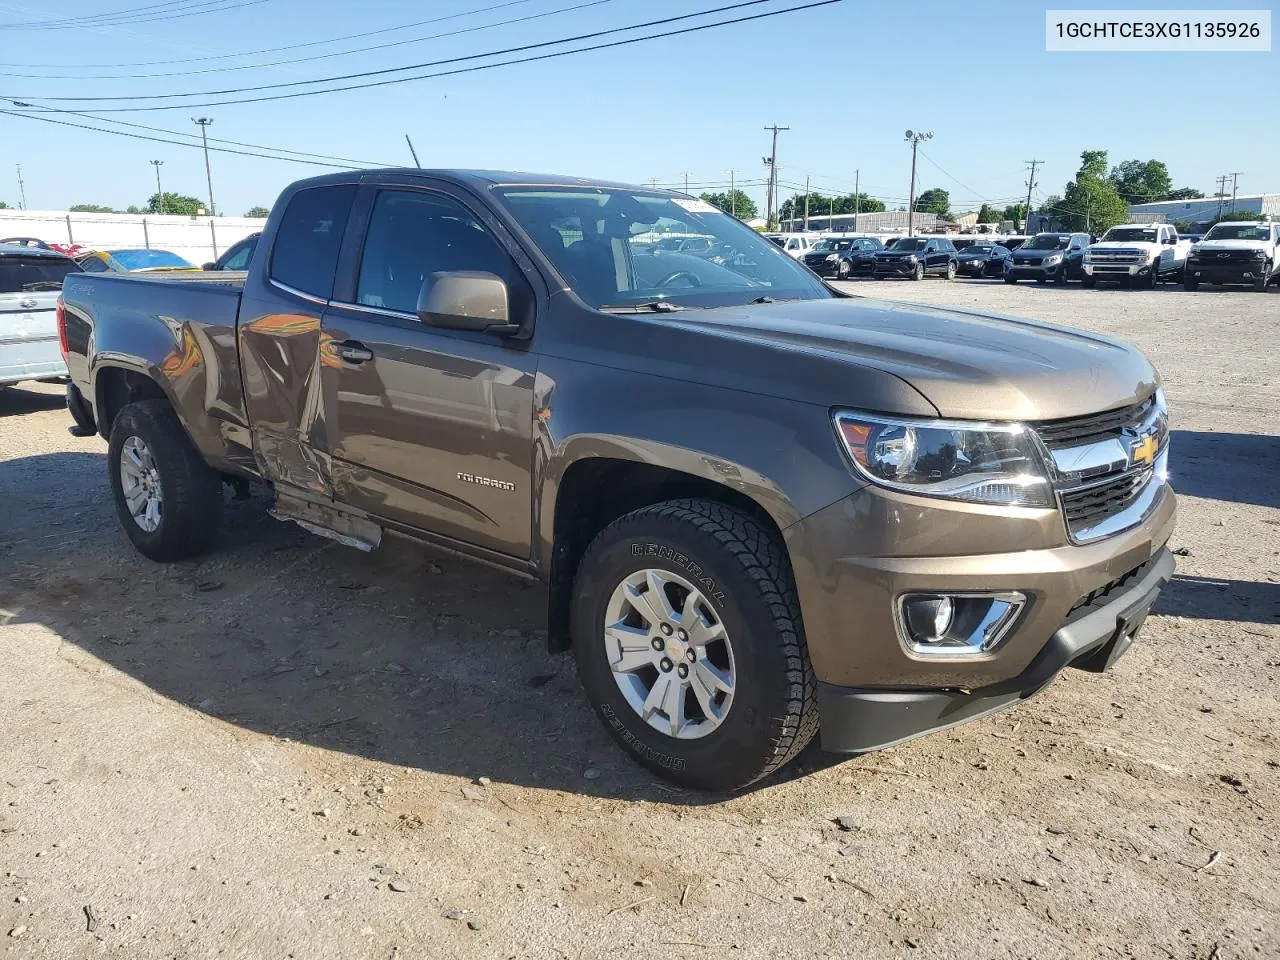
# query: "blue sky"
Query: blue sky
{"points": [[848, 79]]}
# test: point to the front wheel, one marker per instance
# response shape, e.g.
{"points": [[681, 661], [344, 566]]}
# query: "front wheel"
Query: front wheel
{"points": [[842, 271], [167, 498], [1261, 283], [918, 274], [690, 645], [1088, 280], [1010, 278], [1190, 283], [1154, 280], [951, 269]]}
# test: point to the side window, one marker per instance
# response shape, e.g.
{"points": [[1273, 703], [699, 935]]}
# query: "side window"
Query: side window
{"points": [[305, 253], [413, 235], [240, 259]]}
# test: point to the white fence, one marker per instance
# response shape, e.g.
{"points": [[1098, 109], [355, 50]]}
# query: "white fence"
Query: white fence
{"points": [[197, 239]]}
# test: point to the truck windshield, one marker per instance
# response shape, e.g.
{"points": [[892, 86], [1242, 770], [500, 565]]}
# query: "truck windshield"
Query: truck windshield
{"points": [[907, 244], [609, 245], [18, 274], [148, 259], [1048, 241], [1131, 235], [1237, 231]]}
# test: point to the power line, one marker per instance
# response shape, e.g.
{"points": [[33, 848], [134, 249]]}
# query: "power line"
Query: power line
{"points": [[291, 46], [212, 6], [89, 18], [370, 73], [320, 56]]}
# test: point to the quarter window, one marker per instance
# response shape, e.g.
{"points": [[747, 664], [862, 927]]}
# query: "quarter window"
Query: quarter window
{"points": [[305, 252], [413, 235]]}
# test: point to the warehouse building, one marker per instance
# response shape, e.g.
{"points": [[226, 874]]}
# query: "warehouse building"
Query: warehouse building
{"points": [[1206, 210], [889, 221]]}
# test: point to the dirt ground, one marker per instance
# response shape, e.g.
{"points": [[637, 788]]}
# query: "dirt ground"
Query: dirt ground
{"points": [[277, 752]]}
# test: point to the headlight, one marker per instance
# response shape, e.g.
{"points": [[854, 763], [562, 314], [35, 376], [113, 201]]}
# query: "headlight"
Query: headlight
{"points": [[975, 462], [832, 257], [1051, 260], [911, 258], [1259, 254]]}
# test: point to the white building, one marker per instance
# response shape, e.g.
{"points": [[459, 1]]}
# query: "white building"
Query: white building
{"points": [[1205, 210], [888, 221], [197, 239]]}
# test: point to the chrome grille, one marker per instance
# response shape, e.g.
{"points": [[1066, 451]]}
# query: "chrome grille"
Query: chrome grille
{"points": [[1075, 431], [1117, 256], [1085, 506]]}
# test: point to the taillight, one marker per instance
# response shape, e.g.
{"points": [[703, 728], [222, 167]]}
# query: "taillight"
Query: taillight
{"points": [[62, 330]]}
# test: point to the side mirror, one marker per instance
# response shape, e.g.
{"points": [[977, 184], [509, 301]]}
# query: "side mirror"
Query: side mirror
{"points": [[209, 266], [1170, 241], [466, 300]]}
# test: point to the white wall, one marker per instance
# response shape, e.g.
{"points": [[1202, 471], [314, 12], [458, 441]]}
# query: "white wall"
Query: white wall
{"points": [[193, 238]]}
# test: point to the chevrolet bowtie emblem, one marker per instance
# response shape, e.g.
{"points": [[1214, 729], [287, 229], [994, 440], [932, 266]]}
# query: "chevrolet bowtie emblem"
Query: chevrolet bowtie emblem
{"points": [[1144, 451]]}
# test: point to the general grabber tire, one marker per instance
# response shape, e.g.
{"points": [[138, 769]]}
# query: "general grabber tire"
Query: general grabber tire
{"points": [[646, 644], [151, 453]]}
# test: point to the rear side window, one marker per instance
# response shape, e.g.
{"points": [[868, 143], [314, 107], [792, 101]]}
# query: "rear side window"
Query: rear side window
{"points": [[305, 253], [30, 274]]}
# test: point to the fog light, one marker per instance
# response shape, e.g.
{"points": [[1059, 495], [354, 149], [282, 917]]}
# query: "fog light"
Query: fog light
{"points": [[956, 625]]}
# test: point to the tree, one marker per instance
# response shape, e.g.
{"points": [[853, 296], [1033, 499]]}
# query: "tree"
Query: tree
{"points": [[3, 205], [1091, 202], [175, 204], [1017, 212], [1142, 182], [1238, 215], [1185, 193], [936, 201], [91, 208], [988, 214], [820, 205], [134, 209], [262, 212], [740, 205]]}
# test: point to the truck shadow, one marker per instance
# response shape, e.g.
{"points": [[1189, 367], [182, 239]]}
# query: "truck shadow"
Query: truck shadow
{"points": [[1210, 598], [404, 656], [15, 401], [1237, 467]]}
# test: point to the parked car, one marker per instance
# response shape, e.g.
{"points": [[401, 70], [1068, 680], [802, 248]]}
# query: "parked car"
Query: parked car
{"points": [[34, 243], [982, 258], [422, 353], [917, 257], [1142, 252], [796, 244], [1013, 243], [1048, 256], [30, 279], [1235, 252], [842, 257], [236, 256], [132, 261]]}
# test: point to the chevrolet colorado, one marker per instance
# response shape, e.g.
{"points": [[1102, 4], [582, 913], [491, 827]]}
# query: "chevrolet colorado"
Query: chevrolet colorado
{"points": [[758, 507]]}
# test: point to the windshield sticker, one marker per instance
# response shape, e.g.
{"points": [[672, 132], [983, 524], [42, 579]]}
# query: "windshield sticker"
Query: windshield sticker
{"points": [[696, 206]]}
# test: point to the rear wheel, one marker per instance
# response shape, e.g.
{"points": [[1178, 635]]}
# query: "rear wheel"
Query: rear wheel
{"points": [[167, 498], [690, 646]]}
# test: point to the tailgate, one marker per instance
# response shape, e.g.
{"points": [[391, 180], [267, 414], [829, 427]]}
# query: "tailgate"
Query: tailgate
{"points": [[29, 336]]}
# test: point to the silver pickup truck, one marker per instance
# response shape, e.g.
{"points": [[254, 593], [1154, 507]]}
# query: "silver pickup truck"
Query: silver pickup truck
{"points": [[30, 281]]}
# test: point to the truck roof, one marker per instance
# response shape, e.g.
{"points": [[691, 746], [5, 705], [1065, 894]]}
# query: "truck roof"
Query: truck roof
{"points": [[13, 249], [481, 179]]}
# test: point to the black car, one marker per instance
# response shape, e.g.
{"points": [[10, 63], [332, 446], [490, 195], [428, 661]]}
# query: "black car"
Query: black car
{"points": [[1049, 256], [915, 257], [1013, 243], [236, 256], [983, 258], [843, 257]]}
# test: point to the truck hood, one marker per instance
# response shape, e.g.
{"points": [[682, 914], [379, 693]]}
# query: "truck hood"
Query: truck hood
{"points": [[1210, 245], [1124, 245], [969, 365]]}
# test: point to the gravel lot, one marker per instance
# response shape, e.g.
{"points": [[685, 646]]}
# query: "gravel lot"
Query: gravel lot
{"points": [[276, 752]]}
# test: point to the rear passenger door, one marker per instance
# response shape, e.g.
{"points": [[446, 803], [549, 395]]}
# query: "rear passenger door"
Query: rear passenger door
{"points": [[428, 428]]}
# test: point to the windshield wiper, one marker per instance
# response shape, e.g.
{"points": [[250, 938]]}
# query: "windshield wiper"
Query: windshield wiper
{"points": [[43, 285], [656, 306], [765, 299]]}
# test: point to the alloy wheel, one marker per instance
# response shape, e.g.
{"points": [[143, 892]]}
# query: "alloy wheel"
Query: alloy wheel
{"points": [[140, 483]]}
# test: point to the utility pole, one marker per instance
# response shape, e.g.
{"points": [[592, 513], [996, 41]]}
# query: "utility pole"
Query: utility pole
{"points": [[857, 197], [913, 139], [1031, 185], [733, 200], [1234, 177], [203, 123], [22, 190], [806, 205], [686, 181], [771, 162], [159, 193], [412, 152], [1222, 193]]}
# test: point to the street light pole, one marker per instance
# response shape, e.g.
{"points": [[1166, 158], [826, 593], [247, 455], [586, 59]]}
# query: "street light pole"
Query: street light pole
{"points": [[914, 139], [203, 123], [159, 193]]}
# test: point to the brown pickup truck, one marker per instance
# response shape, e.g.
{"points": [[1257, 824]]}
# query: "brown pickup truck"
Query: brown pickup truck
{"points": [[759, 507]]}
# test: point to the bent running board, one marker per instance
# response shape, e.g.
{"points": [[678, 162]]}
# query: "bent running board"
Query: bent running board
{"points": [[327, 521]]}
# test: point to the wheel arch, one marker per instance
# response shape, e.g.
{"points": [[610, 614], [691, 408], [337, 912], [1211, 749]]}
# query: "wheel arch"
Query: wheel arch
{"points": [[115, 386]]}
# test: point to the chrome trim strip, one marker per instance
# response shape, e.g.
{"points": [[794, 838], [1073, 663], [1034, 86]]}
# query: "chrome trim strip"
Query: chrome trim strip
{"points": [[310, 298], [377, 311], [1001, 626], [1075, 464]]}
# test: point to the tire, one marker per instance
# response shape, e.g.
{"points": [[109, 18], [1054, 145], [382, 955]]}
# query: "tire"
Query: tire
{"points": [[1153, 280], [1010, 278], [189, 509], [919, 272], [1088, 280], [843, 270], [951, 269], [747, 588], [1061, 278], [1190, 283], [1261, 284]]}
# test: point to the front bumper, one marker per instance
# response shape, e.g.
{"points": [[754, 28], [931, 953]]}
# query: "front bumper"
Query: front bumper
{"points": [[825, 269], [895, 268], [1117, 271], [1235, 272], [1026, 271], [859, 720]]}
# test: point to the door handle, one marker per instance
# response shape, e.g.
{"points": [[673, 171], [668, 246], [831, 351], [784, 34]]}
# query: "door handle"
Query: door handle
{"points": [[352, 351]]}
